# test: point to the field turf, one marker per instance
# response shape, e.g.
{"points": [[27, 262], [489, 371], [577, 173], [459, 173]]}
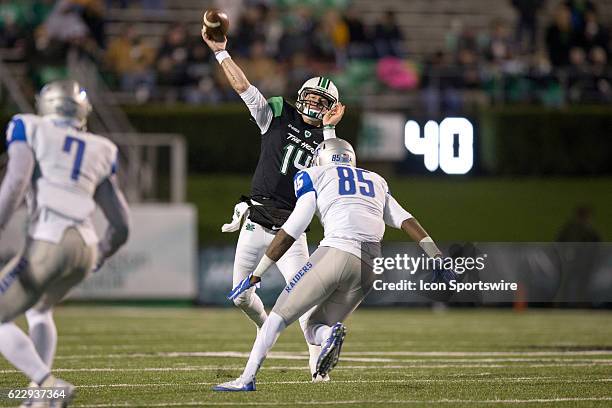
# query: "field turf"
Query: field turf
{"points": [[170, 357]]}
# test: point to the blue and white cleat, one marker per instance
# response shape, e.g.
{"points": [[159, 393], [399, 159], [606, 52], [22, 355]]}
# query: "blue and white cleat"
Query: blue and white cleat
{"points": [[330, 352], [236, 385]]}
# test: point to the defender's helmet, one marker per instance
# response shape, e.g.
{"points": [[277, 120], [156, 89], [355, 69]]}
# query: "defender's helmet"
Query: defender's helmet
{"points": [[319, 86], [334, 151], [64, 98]]}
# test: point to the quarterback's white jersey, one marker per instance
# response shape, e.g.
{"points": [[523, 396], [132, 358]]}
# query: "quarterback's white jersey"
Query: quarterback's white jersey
{"points": [[353, 205], [70, 164]]}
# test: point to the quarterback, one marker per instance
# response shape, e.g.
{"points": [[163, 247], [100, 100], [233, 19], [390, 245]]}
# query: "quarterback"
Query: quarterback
{"points": [[289, 137], [63, 171], [353, 205]]}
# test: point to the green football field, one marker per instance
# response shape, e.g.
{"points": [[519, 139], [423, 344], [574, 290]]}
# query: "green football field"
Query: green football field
{"points": [[170, 357]]}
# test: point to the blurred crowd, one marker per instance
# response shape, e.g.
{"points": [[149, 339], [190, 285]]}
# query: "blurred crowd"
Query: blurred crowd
{"points": [[280, 45]]}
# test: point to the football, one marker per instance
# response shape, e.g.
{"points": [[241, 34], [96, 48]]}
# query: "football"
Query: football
{"points": [[215, 24]]}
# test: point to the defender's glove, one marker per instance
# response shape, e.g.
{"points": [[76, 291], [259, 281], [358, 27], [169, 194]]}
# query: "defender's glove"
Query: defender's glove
{"points": [[244, 285], [444, 275]]}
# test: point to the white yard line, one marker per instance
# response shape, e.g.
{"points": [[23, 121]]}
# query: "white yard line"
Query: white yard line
{"points": [[554, 363], [481, 353], [403, 381], [304, 356], [355, 402]]}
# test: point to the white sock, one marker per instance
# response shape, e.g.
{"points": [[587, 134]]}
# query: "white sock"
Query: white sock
{"points": [[313, 350], [322, 333], [43, 334], [19, 350], [267, 336]]}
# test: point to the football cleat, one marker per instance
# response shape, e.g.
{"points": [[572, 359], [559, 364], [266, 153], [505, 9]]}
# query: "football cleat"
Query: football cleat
{"points": [[318, 378], [236, 385], [330, 352], [29, 403], [64, 390]]}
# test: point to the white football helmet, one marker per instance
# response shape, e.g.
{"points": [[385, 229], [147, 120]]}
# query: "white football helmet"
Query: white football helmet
{"points": [[334, 151], [66, 99], [321, 86]]}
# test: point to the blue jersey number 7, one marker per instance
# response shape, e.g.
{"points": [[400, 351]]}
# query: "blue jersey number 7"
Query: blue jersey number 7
{"points": [[78, 159]]}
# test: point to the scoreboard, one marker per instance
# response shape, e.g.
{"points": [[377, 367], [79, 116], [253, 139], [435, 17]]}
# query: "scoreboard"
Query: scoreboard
{"points": [[421, 146], [448, 145]]}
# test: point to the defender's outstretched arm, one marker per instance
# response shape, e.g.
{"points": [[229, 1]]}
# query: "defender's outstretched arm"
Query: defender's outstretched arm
{"points": [[396, 216]]}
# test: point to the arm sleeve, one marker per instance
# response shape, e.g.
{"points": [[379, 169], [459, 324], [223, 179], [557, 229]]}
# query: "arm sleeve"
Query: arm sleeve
{"points": [[115, 209], [259, 107], [394, 213], [16, 180], [302, 215]]}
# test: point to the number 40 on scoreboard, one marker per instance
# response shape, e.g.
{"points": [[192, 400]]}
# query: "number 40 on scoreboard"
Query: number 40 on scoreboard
{"points": [[449, 145]]}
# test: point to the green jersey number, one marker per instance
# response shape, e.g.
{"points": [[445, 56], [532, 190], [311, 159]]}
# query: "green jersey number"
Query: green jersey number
{"points": [[289, 156]]}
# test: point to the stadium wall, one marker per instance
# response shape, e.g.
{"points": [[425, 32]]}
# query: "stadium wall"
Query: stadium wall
{"points": [[510, 140]]}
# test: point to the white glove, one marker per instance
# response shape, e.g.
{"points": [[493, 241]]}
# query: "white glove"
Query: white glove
{"points": [[240, 211]]}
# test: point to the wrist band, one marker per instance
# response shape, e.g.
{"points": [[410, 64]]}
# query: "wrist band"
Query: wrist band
{"points": [[263, 266], [429, 247], [221, 55], [329, 126]]}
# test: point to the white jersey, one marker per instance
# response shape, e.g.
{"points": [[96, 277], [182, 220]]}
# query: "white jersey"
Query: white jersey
{"points": [[69, 166], [353, 205]]}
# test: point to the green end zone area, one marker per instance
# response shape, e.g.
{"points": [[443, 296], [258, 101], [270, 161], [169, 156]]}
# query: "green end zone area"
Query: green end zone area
{"points": [[392, 357], [481, 210]]}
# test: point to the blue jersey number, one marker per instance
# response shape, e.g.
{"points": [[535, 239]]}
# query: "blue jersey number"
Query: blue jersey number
{"points": [[78, 159], [347, 184]]}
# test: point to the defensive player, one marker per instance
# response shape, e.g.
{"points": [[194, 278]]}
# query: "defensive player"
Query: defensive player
{"points": [[289, 137], [65, 171], [353, 205]]}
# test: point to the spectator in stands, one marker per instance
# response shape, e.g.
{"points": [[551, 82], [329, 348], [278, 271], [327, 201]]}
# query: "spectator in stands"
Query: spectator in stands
{"points": [[460, 38], [65, 23], [500, 45], [297, 36], [131, 58], [577, 9], [263, 71], [92, 14], [527, 23], [579, 75], [201, 87], [172, 61], [595, 35], [360, 43], [298, 71], [13, 24], [579, 228], [561, 37], [388, 36], [250, 27], [602, 75], [273, 31], [330, 39]]}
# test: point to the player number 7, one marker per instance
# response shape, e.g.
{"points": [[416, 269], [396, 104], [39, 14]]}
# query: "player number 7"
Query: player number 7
{"points": [[78, 159]]}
